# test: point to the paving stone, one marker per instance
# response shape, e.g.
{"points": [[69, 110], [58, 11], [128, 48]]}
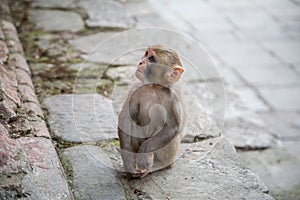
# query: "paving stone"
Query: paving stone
{"points": [[230, 76], [37, 164], [144, 17], [268, 33], [67, 4], [251, 99], [246, 135], [123, 75], [106, 14], [88, 68], [206, 170], [278, 169], [242, 54], [88, 77], [94, 47], [243, 127], [251, 21], [292, 146], [286, 98], [87, 43], [269, 75], [118, 97], [56, 20], [287, 50], [81, 117], [201, 124], [52, 45], [94, 176], [283, 124]]}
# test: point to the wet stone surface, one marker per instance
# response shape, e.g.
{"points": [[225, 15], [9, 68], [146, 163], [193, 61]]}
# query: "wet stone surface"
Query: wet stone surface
{"points": [[82, 117]]}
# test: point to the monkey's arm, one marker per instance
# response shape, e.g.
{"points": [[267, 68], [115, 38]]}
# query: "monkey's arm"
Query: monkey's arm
{"points": [[122, 120], [161, 139]]}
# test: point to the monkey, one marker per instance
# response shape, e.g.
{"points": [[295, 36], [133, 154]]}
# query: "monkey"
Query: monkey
{"points": [[152, 119]]}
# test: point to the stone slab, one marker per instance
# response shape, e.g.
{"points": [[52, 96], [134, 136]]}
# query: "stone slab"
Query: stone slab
{"points": [[93, 175], [282, 98], [242, 54], [230, 77], [292, 146], [251, 99], [106, 14], [52, 44], [285, 49], [122, 75], [283, 124], [243, 127], [94, 49], [56, 20], [206, 170], [34, 167], [67, 4], [200, 123], [278, 169], [247, 135], [81, 117], [274, 75]]}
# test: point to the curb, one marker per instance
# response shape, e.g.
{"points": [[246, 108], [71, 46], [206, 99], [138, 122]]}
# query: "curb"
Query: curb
{"points": [[29, 164]]}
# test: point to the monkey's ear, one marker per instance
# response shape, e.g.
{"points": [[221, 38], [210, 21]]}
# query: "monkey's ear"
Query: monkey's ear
{"points": [[177, 71]]}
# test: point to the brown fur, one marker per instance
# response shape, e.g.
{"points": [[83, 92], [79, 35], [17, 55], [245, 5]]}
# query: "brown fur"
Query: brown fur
{"points": [[148, 149]]}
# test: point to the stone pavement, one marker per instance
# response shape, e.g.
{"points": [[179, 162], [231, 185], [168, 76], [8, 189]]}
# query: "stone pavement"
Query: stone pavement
{"points": [[81, 87], [256, 45]]}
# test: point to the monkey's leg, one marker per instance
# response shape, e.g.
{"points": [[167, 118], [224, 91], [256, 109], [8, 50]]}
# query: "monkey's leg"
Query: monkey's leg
{"points": [[166, 156]]}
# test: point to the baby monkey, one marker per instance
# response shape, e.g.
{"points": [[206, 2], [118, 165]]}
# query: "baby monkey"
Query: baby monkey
{"points": [[153, 117]]}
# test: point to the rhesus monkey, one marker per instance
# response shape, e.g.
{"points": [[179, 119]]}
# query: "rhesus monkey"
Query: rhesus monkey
{"points": [[152, 119]]}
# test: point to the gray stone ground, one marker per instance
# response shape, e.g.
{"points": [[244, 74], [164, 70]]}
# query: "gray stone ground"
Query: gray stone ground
{"points": [[256, 45], [82, 87]]}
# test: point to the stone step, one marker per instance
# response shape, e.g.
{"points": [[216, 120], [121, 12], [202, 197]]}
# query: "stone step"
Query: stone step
{"points": [[207, 169]]}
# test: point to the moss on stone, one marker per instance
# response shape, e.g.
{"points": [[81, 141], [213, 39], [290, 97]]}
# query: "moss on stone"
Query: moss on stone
{"points": [[68, 169]]}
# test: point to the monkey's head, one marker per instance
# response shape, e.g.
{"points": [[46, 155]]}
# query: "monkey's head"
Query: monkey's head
{"points": [[159, 65]]}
